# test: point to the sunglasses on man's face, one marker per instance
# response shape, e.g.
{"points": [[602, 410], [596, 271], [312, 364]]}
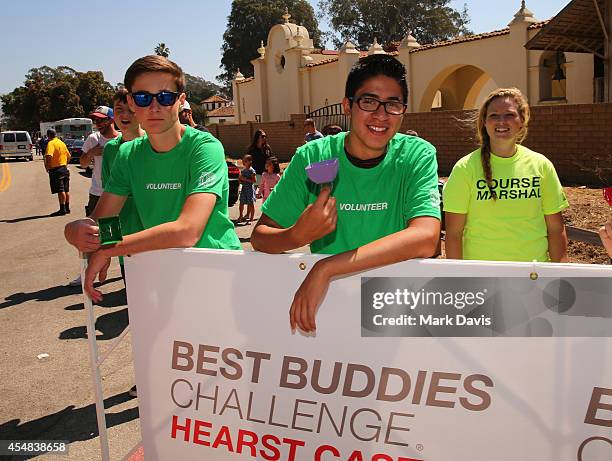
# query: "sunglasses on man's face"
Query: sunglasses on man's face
{"points": [[164, 98]]}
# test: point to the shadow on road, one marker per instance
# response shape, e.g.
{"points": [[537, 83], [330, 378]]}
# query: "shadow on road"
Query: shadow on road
{"points": [[109, 325], [47, 294], [71, 424], [25, 218]]}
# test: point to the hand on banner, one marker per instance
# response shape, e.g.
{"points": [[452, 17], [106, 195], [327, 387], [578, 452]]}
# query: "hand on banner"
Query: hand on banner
{"points": [[307, 299], [318, 219], [83, 234], [97, 265], [605, 232]]}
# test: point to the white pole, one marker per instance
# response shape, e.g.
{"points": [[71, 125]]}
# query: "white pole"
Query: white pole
{"points": [[95, 368]]}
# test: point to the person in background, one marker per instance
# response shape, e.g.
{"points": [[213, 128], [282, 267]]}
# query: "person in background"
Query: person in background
{"points": [[247, 190], [261, 151], [310, 131], [270, 177], [503, 202], [186, 117], [93, 148], [330, 130], [42, 144], [130, 130], [57, 157]]}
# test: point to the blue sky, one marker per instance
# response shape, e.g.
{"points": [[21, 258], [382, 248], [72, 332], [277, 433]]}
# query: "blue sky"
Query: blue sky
{"points": [[108, 37]]}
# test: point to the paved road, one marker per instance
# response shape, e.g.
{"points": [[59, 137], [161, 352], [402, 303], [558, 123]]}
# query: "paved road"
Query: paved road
{"points": [[52, 398]]}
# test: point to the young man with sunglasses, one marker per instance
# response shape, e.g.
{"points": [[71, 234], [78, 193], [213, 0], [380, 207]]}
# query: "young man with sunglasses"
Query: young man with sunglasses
{"points": [[176, 175], [385, 203]]}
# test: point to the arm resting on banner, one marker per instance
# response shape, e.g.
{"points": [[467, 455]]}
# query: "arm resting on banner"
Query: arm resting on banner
{"points": [[182, 233], [418, 240]]}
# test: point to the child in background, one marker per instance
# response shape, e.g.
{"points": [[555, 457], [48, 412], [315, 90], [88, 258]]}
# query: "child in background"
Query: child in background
{"points": [[247, 192], [269, 178]]}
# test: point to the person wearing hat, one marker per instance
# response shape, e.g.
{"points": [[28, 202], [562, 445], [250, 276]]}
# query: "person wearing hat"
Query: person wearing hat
{"points": [[93, 148], [57, 157], [186, 117]]}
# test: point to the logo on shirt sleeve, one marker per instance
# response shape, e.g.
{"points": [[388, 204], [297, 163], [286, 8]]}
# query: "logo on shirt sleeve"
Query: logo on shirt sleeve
{"points": [[207, 179], [434, 197]]}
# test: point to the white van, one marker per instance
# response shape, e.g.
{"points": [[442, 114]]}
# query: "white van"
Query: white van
{"points": [[15, 144]]}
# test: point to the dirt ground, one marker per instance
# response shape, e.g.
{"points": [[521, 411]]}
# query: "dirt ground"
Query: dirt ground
{"points": [[588, 210]]}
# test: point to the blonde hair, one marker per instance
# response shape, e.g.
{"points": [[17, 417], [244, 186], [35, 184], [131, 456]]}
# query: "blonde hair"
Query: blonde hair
{"points": [[481, 131]]}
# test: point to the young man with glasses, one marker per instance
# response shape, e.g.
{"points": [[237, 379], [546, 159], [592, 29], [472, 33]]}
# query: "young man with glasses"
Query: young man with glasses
{"points": [[176, 175], [385, 203]]}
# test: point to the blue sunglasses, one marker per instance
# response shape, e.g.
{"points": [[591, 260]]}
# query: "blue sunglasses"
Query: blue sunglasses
{"points": [[164, 98]]}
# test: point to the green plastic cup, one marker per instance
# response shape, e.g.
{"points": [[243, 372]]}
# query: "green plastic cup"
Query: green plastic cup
{"points": [[110, 230]]}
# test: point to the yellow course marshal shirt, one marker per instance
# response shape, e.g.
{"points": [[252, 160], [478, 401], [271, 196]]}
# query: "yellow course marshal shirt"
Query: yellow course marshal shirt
{"points": [[511, 228], [57, 150]]}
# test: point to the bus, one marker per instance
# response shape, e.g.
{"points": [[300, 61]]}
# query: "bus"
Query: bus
{"points": [[73, 128]]}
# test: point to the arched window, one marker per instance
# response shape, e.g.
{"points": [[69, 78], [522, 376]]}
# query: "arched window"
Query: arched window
{"points": [[552, 76]]}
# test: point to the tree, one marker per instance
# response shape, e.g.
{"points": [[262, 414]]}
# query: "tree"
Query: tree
{"points": [[249, 23], [50, 94], [360, 21], [162, 50], [198, 89]]}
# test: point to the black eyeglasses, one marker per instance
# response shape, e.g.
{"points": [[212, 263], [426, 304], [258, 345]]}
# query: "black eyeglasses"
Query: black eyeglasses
{"points": [[164, 98], [370, 104]]}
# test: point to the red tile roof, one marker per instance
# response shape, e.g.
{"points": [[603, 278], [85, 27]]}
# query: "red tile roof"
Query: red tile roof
{"points": [[215, 98], [224, 111], [320, 63], [248, 79]]}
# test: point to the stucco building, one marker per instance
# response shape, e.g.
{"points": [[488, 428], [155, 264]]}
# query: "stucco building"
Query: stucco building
{"points": [[292, 77]]}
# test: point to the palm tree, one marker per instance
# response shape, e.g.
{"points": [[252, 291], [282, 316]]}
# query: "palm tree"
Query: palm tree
{"points": [[162, 50]]}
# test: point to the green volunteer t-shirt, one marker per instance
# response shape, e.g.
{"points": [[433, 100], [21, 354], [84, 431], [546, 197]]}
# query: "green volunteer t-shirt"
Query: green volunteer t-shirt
{"points": [[511, 228], [371, 202], [130, 221], [161, 182]]}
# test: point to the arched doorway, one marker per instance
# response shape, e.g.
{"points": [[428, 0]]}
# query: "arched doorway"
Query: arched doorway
{"points": [[457, 88]]}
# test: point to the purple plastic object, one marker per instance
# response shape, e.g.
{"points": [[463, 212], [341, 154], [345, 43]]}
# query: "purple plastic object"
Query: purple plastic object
{"points": [[323, 172]]}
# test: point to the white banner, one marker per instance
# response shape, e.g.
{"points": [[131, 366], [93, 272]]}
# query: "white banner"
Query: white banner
{"points": [[220, 376]]}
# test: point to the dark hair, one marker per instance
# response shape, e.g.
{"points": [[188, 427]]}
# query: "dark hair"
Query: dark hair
{"points": [[331, 130], [372, 66], [481, 131], [274, 161], [154, 63], [51, 133], [120, 96], [248, 157], [256, 137]]}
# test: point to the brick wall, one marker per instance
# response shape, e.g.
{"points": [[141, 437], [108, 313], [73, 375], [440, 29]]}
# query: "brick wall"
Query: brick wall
{"points": [[576, 138], [283, 137]]}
